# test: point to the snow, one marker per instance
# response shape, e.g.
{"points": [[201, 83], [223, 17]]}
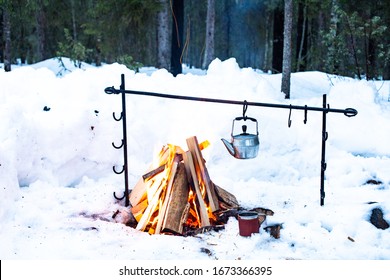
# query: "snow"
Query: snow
{"points": [[56, 162]]}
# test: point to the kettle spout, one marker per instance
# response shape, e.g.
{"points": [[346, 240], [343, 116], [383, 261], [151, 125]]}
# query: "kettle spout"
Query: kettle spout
{"points": [[228, 146]]}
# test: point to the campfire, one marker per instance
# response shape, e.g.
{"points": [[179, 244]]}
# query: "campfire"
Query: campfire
{"points": [[177, 196]]}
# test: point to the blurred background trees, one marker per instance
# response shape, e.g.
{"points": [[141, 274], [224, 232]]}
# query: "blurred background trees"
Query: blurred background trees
{"points": [[350, 38]]}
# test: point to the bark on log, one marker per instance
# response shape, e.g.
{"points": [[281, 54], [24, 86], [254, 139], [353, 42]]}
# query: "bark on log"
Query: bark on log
{"points": [[203, 230], [226, 199], [274, 230], [152, 173], [177, 209], [161, 168], [262, 210]]}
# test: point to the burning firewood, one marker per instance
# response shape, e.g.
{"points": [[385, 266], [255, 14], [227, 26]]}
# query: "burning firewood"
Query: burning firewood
{"points": [[177, 196], [176, 193], [204, 175]]}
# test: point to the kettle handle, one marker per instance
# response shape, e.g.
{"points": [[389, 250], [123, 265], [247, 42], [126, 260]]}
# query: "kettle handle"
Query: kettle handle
{"points": [[246, 118]]}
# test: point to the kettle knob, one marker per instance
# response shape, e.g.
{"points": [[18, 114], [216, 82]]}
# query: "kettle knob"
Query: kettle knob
{"points": [[244, 128]]}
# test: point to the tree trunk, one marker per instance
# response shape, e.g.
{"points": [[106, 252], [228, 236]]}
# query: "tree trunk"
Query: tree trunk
{"points": [[7, 37], [74, 25], [331, 54], [286, 71], [317, 62], [302, 37], [41, 23], [177, 37], [210, 31], [354, 48], [277, 46], [163, 36], [268, 48]]}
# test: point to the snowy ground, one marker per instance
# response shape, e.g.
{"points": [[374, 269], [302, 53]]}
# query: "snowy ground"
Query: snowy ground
{"points": [[56, 162]]}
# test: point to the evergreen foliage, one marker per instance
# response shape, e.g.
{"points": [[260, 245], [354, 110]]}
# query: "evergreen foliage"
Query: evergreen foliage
{"points": [[73, 49]]}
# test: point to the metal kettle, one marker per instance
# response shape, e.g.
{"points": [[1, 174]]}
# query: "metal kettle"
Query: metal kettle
{"points": [[244, 145]]}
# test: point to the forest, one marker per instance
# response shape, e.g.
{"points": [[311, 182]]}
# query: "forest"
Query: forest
{"points": [[343, 37]]}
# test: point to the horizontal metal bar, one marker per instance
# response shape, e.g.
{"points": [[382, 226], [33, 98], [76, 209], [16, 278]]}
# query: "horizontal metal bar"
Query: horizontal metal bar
{"points": [[349, 112]]}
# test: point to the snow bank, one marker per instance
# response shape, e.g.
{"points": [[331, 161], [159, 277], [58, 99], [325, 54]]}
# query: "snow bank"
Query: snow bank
{"points": [[56, 159]]}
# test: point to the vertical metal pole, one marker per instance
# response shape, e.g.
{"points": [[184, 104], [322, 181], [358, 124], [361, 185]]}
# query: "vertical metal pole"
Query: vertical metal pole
{"points": [[125, 164], [324, 138]]}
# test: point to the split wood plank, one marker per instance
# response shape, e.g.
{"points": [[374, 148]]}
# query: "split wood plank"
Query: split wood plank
{"points": [[138, 193], [193, 146], [161, 214], [139, 209], [149, 211], [193, 178]]}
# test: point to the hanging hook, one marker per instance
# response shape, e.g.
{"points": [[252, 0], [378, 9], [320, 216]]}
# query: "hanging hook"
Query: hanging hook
{"points": [[245, 107], [289, 117], [118, 147], [305, 120], [119, 198], [117, 119], [118, 172], [325, 136]]}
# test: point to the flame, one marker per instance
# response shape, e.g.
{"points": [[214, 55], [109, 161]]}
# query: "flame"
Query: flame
{"points": [[166, 157]]}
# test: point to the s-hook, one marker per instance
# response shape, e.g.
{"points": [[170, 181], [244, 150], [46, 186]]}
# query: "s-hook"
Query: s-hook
{"points": [[245, 107], [118, 147], [117, 119], [305, 119]]}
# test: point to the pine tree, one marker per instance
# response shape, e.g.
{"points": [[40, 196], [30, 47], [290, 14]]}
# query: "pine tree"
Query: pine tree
{"points": [[177, 37], [7, 35], [163, 36], [210, 30], [287, 48]]}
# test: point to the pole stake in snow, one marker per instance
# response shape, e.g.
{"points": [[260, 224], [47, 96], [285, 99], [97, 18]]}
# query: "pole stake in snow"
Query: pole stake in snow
{"points": [[123, 144]]}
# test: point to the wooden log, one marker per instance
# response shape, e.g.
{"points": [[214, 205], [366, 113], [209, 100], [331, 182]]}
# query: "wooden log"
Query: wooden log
{"points": [[203, 230], [223, 216], [139, 209], [153, 205], [225, 198], [177, 206], [152, 173], [168, 194], [193, 146], [161, 168], [138, 193], [262, 210], [274, 230], [193, 180]]}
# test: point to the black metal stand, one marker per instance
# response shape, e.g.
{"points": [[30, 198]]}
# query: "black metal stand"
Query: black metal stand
{"points": [[349, 112], [323, 160], [123, 144]]}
